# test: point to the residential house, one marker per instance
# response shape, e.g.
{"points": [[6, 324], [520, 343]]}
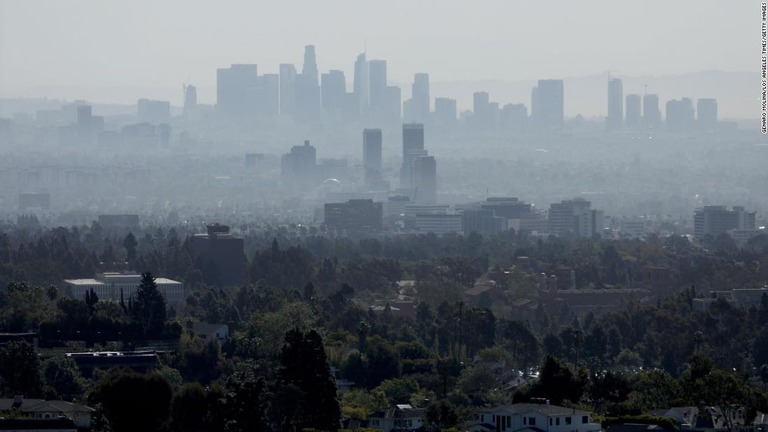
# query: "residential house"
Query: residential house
{"points": [[705, 419], [539, 417], [397, 418], [39, 409], [60, 424], [206, 331]]}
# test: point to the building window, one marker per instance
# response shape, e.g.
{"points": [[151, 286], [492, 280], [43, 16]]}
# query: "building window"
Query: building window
{"points": [[557, 421], [585, 419], [482, 418], [525, 421], [509, 421], [550, 422], [532, 421], [567, 420]]}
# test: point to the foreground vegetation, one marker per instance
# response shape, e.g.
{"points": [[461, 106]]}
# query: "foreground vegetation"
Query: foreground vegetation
{"points": [[305, 310]]}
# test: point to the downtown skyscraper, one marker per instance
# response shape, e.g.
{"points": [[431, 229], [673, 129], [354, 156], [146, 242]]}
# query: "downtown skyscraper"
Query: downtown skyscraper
{"points": [[548, 105], [615, 117]]}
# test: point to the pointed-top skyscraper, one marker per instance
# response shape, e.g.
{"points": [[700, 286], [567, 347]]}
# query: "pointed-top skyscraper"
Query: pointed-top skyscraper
{"points": [[308, 105], [309, 69], [361, 85]]}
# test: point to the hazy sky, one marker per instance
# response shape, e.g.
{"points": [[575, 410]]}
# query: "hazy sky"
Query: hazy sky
{"points": [[154, 46]]}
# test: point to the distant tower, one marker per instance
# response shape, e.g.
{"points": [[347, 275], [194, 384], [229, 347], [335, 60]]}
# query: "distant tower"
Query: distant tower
{"points": [[287, 89], [445, 111], [680, 115], [651, 111], [361, 84], [377, 75], [615, 104], [425, 179], [372, 149], [481, 109], [190, 99], [308, 100], [706, 114], [309, 68], [418, 107], [413, 146], [633, 112], [299, 167], [333, 87], [237, 90], [547, 105]]}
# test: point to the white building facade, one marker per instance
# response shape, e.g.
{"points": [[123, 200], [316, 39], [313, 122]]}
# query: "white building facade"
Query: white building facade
{"points": [[534, 416], [113, 285]]}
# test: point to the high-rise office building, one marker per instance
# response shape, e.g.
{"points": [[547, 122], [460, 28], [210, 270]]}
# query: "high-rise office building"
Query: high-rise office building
{"points": [[153, 111], [513, 117], [269, 95], [481, 109], [362, 85], [84, 116], [377, 74], [299, 167], [706, 114], [334, 91], [445, 112], [547, 105], [308, 98], [190, 100], [716, 220], [309, 67], [372, 150], [589, 222], [680, 115], [425, 179], [237, 90], [393, 109], [615, 104], [633, 112], [413, 147], [651, 111], [287, 89], [418, 107], [563, 216]]}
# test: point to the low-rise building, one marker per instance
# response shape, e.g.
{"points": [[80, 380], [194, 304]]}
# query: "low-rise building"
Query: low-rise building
{"points": [[44, 414], [221, 254], [112, 286], [397, 418], [354, 216], [211, 331], [541, 417]]}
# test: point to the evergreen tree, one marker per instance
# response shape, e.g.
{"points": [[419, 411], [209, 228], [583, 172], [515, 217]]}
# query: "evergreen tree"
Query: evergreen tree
{"points": [[91, 299], [130, 243], [148, 396], [19, 370], [148, 308], [305, 368], [244, 405]]}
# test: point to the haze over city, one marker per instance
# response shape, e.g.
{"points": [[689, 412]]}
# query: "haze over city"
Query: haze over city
{"points": [[109, 52], [383, 216]]}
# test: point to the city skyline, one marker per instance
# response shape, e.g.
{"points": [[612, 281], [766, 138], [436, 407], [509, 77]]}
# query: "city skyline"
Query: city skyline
{"points": [[129, 57]]}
